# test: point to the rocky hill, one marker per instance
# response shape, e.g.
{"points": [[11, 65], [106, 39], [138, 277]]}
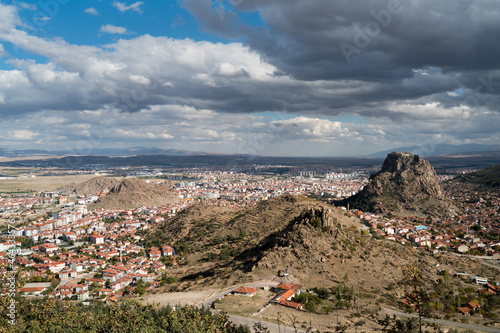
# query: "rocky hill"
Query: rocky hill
{"points": [[488, 177], [93, 186], [406, 185], [319, 244], [133, 192]]}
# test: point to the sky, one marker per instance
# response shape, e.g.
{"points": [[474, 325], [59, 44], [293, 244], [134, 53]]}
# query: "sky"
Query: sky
{"points": [[281, 77]]}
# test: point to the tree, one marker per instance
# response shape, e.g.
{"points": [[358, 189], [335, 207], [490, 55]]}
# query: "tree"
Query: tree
{"points": [[346, 277], [140, 287], [241, 329], [260, 328], [168, 279], [309, 301], [416, 293], [322, 292], [446, 278]]}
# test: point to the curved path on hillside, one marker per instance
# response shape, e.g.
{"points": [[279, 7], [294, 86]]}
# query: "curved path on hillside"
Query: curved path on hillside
{"points": [[275, 328], [444, 322], [248, 321]]}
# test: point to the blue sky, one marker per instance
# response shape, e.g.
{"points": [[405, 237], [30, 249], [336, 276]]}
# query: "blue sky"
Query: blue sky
{"points": [[295, 77]]}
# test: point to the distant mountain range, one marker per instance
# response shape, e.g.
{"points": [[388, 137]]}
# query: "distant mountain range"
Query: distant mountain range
{"points": [[422, 150], [443, 150], [133, 151]]}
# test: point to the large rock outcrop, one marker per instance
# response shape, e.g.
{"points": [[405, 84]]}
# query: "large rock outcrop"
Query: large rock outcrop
{"points": [[406, 185]]}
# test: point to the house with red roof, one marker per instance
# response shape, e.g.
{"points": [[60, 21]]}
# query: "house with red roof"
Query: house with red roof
{"points": [[154, 253], [105, 292], [67, 274], [48, 248], [284, 295], [33, 290], [464, 310], [82, 295], [245, 291], [290, 304], [167, 250], [97, 239], [473, 306]]}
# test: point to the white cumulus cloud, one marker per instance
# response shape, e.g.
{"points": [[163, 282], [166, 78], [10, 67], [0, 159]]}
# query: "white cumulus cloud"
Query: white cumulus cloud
{"points": [[112, 29], [123, 7], [91, 11]]}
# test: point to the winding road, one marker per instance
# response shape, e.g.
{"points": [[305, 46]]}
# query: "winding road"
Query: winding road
{"points": [[248, 321], [275, 328], [444, 322]]}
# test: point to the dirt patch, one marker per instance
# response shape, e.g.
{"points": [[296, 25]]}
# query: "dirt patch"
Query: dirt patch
{"points": [[244, 305], [179, 298], [40, 183], [304, 320]]}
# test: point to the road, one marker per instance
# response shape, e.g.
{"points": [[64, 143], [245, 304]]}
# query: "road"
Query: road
{"points": [[273, 328], [239, 320], [495, 263], [445, 322]]}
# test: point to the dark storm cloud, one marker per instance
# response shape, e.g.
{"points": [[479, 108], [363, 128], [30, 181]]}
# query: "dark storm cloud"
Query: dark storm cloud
{"points": [[399, 49], [392, 36]]}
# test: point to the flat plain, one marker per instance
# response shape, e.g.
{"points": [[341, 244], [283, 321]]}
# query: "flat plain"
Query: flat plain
{"points": [[40, 183]]}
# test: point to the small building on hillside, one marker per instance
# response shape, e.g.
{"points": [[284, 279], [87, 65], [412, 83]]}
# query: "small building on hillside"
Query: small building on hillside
{"points": [[245, 291]]}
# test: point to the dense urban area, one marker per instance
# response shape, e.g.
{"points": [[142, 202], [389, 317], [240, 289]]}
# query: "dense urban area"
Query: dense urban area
{"points": [[62, 248]]}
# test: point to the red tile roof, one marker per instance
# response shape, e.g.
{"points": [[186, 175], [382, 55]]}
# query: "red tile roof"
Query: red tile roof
{"points": [[245, 290]]}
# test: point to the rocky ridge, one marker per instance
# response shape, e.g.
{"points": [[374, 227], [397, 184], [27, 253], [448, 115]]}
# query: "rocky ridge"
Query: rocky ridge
{"points": [[93, 186], [133, 193], [318, 244], [406, 185]]}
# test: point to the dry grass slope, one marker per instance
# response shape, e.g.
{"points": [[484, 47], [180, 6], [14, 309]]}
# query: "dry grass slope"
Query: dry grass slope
{"points": [[318, 243], [133, 192], [93, 185]]}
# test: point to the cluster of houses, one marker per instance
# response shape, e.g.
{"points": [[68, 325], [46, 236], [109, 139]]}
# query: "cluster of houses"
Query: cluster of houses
{"points": [[285, 293], [110, 245], [489, 289], [104, 237], [475, 231], [252, 189], [113, 277], [471, 306], [9, 206], [412, 230]]}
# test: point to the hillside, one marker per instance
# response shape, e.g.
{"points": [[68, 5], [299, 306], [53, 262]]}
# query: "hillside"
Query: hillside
{"points": [[133, 192], [406, 185], [489, 177], [319, 244], [93, 186]]}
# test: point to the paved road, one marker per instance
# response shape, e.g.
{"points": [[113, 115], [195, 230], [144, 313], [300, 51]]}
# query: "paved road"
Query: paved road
{"points": [[273, 328], [445, 322], [494, 263], [239, 320]]}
